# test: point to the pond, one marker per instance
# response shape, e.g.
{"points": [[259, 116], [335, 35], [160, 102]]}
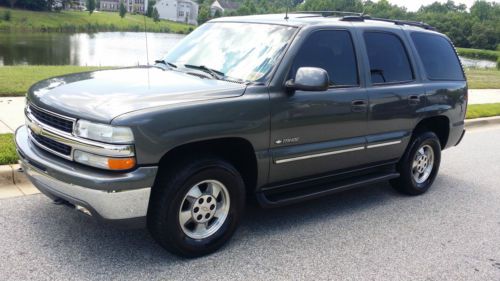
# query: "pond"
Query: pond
{"points": [[97, 49], [102, 49]]}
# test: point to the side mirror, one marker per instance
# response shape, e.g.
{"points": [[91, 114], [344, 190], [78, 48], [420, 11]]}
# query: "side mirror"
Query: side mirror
{"points": [[309, 79]]}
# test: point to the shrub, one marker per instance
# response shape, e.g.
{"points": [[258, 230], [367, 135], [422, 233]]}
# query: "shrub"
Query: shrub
{"points": [[479, 54], [7, 16]]}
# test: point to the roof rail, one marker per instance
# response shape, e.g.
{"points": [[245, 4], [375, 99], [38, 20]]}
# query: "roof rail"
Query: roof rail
{"points": [[397, 22], [327, 13]]}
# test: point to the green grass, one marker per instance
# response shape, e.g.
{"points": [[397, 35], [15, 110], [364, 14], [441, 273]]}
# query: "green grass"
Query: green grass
{"points": [[483, 110], [80, 21], [483, 78], [7, 149], [15, 80]]}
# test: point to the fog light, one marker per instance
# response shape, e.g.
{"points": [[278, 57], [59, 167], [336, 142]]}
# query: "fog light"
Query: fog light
{"points": [[103, 162]]}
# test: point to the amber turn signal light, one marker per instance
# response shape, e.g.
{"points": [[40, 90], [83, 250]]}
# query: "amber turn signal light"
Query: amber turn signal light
{"points": [[121, 163]]}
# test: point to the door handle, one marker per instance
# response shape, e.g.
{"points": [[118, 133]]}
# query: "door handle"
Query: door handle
{"points": [[359, 105], [414, 99]]}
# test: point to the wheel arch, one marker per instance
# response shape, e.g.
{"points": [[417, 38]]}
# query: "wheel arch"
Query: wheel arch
{"points": [[439, 124], [236, 150]]}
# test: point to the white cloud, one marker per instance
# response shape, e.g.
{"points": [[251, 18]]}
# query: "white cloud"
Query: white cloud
{"points": [[413, 5]]}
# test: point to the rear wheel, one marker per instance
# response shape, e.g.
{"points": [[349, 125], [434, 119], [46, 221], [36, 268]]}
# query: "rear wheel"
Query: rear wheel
{"points": [[419, 165], [195, 209]]}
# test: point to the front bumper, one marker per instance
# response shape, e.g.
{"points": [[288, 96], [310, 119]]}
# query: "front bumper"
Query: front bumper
{"points": [[106, 195]]}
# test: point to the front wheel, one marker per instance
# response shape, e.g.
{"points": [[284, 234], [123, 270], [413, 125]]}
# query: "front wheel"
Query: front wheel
{"points": [[419, 165], [196, 209]]}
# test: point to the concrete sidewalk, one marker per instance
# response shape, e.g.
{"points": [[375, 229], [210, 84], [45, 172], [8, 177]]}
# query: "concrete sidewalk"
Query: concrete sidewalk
{"points": [[12, 114]]}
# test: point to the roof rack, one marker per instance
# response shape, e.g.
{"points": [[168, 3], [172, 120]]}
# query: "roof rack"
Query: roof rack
{"points": [[397, 22], [327, 13]]}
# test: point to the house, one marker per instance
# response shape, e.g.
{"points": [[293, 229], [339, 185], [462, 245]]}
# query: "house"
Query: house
{"points": [[133, 6], [178, 10], [223, 6]]}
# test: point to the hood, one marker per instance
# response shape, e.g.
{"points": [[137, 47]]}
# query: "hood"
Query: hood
{"points": [[103, 95]]}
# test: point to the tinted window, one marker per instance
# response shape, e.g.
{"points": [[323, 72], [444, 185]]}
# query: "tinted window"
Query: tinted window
{"points": [[437, 55], [389, 61], [333, 51]]}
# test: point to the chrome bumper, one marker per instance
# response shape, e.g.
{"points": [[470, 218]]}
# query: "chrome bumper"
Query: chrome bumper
{"points": [[106, 195]]}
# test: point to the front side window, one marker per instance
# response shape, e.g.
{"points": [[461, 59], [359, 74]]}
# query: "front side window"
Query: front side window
{"points": [[242, 51], [388, 59], [333, 51], [438, 57]]}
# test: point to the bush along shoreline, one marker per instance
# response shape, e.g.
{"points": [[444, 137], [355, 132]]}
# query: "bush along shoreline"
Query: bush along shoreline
{"points": [[490, 55]]}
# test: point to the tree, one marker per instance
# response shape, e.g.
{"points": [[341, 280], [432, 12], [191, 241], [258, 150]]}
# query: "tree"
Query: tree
{"points": [[12, 3], [156, 15], [203, 14], [122, 10], [217, 14], [91, 6], [151, 6]]}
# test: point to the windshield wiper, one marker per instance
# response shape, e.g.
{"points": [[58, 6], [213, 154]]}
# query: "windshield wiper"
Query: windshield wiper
{"points": [[169, 64], [216, 74]]}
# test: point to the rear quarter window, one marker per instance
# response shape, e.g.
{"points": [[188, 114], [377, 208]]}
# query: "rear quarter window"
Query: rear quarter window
{"points": [[438, 57]]}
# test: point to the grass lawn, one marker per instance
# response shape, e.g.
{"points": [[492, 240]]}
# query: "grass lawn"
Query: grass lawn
{"points": [[483, 110], [483, 78], [80, 21], [7, 149], [15, 80]]}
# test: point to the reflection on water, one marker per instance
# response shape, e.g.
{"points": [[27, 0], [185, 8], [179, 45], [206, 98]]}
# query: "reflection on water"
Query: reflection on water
{"points": [[102, 49], [97, 49]]}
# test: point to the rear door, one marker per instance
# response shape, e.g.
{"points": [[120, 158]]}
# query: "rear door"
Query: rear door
{"points": [[395, 94]]}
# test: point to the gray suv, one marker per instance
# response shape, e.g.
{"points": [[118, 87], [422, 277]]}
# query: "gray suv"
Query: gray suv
{"points": [[285, 108]]}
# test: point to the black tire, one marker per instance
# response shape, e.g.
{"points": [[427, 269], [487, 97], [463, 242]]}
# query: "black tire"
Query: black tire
{"points": [[169, 193], [406, 183]]}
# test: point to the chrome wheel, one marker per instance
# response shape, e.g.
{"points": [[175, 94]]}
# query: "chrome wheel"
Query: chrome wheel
{"points": [[423, 163], [204, 209]]}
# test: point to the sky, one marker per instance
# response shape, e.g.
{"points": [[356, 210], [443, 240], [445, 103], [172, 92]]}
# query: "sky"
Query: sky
{"points": [[413, 5]]}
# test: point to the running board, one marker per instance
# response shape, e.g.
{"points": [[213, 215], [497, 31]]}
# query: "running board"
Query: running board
{"points": [[276, 198]]}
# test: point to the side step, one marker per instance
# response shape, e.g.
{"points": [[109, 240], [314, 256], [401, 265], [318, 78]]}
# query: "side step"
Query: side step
{"points": [[286, 196]]}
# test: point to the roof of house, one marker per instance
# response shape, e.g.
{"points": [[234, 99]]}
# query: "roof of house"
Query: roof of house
{"points": [[228, 5]]}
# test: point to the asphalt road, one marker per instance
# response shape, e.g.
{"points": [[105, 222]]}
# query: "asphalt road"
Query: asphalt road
{"points": [[372, 233]]}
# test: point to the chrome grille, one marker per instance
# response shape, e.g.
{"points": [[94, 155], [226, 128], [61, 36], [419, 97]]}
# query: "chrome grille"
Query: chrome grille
{"points": [[52, 144], [52, 120]]}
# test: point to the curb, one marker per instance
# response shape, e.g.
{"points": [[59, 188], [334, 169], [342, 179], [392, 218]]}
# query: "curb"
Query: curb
{"points": [[480, 122]]}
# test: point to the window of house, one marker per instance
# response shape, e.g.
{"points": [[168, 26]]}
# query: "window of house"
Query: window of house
{"points": [[333, 51], [389, 62], [438, 57]]}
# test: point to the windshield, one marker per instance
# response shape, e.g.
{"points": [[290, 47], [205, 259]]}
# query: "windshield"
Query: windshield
{"points": [[242, 51]]}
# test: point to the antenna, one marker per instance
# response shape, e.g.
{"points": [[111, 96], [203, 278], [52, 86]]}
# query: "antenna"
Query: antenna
{"points": [[147, 49], [287, 6], [146, 35]]}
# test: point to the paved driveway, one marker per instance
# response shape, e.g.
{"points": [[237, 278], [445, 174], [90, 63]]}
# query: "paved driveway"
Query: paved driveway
{"points": [[373, 233]]}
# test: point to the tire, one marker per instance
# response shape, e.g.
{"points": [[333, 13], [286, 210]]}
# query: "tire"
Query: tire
{"points": [[204, 230], [417, 180]]}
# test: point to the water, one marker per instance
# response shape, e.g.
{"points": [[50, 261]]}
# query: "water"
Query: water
{"points": [[102, 49], [97, 49], [473, 63]]}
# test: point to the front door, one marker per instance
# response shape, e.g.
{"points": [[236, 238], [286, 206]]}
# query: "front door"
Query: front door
{"points": [[319, 132]]}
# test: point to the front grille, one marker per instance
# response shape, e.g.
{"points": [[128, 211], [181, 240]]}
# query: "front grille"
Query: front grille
{"points": [[52, 144], [52, 120]]}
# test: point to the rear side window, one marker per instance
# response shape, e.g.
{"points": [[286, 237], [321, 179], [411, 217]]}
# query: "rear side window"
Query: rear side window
{"points": [[437, 55], [388, 58], [333, 51]]}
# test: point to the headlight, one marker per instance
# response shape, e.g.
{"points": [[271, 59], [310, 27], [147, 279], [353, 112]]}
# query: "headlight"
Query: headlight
{"points": [[103, 132], [103, 162]]}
